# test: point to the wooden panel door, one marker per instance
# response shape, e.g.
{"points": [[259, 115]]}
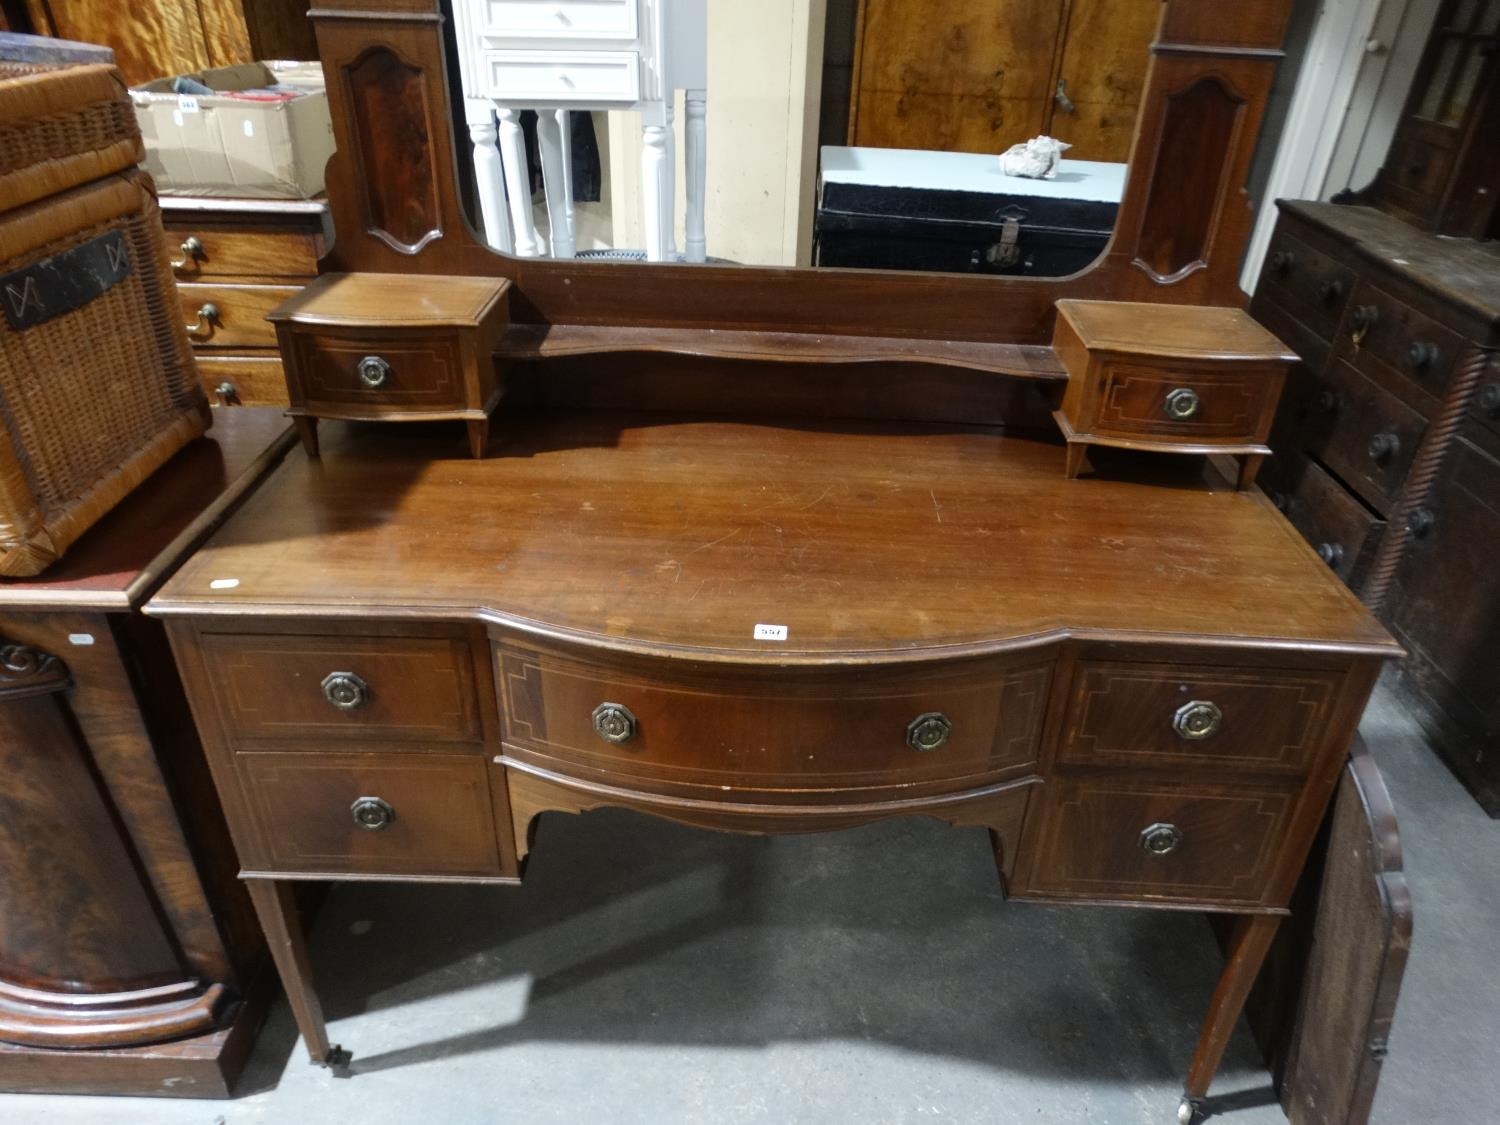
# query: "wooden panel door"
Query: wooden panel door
{"points": [[953, 75], [1101, 75]]}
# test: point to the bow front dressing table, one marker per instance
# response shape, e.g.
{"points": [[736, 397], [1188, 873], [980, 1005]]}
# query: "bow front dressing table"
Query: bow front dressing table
{"points": [[775, 551]]}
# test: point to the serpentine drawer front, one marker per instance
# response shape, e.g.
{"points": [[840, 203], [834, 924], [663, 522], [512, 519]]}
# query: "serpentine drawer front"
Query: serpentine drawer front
{"points": [[1139, 401], [378, 369]]}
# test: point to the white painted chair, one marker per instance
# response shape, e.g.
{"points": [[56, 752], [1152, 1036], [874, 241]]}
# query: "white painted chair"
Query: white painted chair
{"points": [[553, 56]]}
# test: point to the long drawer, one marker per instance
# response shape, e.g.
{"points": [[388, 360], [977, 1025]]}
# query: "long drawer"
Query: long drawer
{"points": [[212, 255], [1365, 434]]}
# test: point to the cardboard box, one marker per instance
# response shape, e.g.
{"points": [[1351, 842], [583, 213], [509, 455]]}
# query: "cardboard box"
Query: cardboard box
{"points": [[217, 145]]}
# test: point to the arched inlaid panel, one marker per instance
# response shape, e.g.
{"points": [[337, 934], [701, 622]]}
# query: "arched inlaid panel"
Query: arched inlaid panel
{"points": [[1198, 137], [392, 124]]}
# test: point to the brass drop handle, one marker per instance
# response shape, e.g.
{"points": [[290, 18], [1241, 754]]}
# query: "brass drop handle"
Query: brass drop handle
{"points": [[1489, 399], [1064, 102], [614, 723], [374, 371], [1331, 553], [1160, 839], [372, 814], [226, 392], [1363, 319], [928, 732], [345, 691], [203, 327], [1197, 720], [1383, 447], [1422, 355], [192, 253], [1283, 260], [1181, 403]]}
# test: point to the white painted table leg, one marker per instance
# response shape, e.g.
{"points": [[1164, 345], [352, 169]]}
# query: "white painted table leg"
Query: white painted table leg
{"points": [[656, 191], [488, 175], [695, 171], [517, 183], [565, 137], [549, 141]]}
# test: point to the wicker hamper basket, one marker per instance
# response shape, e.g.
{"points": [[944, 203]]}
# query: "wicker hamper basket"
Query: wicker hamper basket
{"points": [[61, 126], [97, 382]]}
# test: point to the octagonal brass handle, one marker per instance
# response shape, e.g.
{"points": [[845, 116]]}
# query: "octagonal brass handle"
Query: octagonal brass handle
{"points": [[1182, 403], [614, 723], [372, 814], [345, 690], [1160, 839], [1197, 720], [928, 732], [374, 371]]}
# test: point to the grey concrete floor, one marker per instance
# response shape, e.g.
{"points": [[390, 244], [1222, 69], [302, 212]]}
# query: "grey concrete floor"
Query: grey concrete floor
{"points": [[649, 973]]}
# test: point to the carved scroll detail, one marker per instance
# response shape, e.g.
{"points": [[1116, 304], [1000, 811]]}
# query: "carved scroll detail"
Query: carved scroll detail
{"points": [[28, 671]]}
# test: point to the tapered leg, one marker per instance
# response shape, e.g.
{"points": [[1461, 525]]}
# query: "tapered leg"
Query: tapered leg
{"points": [[276, 907], [1078, 455], [695, 171], [307, 430], [479, 437], [517, 181], [1249, 470], [549, 143], [1249, 943]]}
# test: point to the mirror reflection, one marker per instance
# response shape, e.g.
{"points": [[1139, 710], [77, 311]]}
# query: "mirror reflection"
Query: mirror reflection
{"points": [[853, 133]]}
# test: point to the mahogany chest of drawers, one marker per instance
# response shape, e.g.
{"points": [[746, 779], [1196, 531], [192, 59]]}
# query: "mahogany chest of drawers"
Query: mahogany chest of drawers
{"points": [[1388, 447]]}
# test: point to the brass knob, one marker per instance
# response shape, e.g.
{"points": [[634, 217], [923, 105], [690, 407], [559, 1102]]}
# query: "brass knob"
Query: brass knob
{"points": [[1489, 399], [1197, 720], [374, 371], [1181, 403], [1332, 291], [203, 327], [614, 723], [1383, 447], [1283, 260], [1331, 553], [192, 252], [1160, 839], [226, 392], [372, 814], [1422, 355], [928, 732], [345, 690]]}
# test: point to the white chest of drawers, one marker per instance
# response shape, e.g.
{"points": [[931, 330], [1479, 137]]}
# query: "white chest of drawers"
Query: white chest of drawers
{"points": [[555, 56]]}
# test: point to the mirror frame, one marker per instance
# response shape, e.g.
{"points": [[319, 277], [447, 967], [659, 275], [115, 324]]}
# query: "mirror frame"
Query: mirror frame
{"points": [[1179, 237]]}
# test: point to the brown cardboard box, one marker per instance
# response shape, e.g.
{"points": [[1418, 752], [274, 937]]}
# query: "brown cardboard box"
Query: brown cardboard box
{"points": [[223, 146]]}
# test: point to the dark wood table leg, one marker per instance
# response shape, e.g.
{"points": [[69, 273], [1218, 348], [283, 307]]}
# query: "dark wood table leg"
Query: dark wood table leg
{"points": [[307, 430], [1249, 943], [276, 906]]}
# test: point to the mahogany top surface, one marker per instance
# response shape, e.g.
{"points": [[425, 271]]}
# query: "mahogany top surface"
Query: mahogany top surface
{"points": [[1173, 331], [118, 560], [381, 300], [868, 542]]}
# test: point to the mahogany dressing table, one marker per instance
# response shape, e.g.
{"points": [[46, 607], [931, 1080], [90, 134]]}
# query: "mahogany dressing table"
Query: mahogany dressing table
{"points": [[771, 550]]}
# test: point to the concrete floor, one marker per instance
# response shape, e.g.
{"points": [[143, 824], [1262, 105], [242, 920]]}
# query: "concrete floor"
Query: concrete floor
{"points": [[653, 974]]}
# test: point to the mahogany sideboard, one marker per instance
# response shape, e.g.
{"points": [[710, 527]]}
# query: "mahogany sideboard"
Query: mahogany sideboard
{"points": [[130, 959], [1143, 685]]}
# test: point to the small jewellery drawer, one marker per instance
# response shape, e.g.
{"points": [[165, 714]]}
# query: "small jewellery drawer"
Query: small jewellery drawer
{"points": [[370, 814], [1364, 433], [1164, 403], [560, 19], [1307, 283], [1110, 839], [366, 689], [1178, 716], [1381, 330], [231, 316], [561, 76], [1341, 529], [211, 254], [735, 731], [418, 369]]}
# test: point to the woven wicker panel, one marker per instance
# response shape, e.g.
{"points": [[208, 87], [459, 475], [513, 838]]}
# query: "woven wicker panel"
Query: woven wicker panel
{"points": [[92, 400], [61, 126]]}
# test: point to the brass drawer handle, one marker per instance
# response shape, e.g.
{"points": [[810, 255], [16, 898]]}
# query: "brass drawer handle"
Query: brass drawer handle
{"points": [[1197, 720], [372, 814], [614, 723], [1160, 839], [345, 691], [1383, 447], [1331, 553], [192, 253], [928, 732], [226, 392], [1181, 403], [203, 327], [374, 371], [1423, 355]]}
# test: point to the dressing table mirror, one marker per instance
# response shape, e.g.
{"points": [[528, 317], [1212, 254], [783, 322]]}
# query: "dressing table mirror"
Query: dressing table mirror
{"points": [[756, 549]]}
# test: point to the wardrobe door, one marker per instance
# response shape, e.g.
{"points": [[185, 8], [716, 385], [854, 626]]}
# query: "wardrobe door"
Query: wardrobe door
{"points": [[1101, 75]]}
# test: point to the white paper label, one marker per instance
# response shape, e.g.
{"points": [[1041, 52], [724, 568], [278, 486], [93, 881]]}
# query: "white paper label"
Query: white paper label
{"points": [[249, 128], [770, 632], [223, 583], [187, 103], [80, 638]]}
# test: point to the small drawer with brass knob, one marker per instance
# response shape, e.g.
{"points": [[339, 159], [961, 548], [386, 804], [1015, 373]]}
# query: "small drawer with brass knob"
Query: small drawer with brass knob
{"points": [[376, 347], [1307, 283], [1393, 343], [1370, 437], [1172, 379]]}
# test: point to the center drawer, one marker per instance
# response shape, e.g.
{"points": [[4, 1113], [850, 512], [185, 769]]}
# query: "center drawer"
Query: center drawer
{"points": [[722, 733], [1187, 403], [376, 369]]}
